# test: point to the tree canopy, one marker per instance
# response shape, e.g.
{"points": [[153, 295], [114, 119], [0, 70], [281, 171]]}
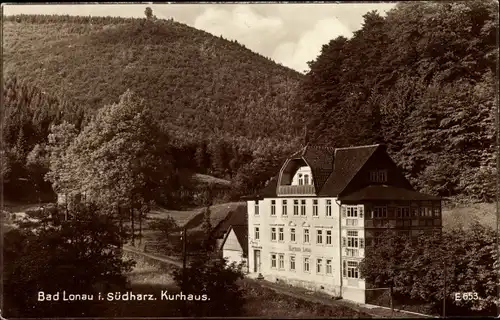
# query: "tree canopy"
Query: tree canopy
{"points": [[420, 80]]}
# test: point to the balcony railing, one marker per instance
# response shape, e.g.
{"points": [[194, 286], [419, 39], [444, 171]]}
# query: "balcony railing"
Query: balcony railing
{"points": [[296, 190]]}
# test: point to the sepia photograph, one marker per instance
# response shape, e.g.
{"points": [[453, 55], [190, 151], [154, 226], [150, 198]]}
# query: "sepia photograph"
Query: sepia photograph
{"points": [[252, 160]]}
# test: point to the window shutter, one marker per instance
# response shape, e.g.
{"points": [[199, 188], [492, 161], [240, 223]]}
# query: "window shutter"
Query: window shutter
{"points": [[344, 209], [344, 269], [361, 210], [361, 243], [344, 241]]}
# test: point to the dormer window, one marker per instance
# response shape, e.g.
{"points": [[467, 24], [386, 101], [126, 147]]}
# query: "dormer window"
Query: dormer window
{"points": [[301, 179], [306, 179], [378, 176]]}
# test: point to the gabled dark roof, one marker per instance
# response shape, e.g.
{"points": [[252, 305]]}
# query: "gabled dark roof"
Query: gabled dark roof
{"points": [[332, 168], [383, 192], [241, 232], [321, 160], [235, 217], [269, 191], [348, 161]]}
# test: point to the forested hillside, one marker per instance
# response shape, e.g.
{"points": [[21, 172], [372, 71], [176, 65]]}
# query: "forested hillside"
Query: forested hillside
{"points": [[226, 108], [421, 80], [197, 81]]}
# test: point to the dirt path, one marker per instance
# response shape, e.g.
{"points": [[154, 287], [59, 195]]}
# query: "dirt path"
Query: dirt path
{"points": [[300, 293]]}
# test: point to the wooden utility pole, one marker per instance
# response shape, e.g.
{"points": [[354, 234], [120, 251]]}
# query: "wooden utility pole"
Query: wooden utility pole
{"points": [[391, 301], [140, 227], [184, 260], [445, 289], [133, 227], [66, 205], [184, 254]]}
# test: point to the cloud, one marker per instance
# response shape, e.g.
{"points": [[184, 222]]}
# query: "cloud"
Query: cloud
{"points": [[296, 54], [291, 34], [243, 24]]}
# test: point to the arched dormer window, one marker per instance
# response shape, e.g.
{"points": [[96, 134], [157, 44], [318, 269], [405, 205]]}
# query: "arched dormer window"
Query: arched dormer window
{"points": [[306, 179], [301, 179]]}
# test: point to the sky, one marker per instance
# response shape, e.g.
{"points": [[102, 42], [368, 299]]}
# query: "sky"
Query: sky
{"points": [[291, 34]]}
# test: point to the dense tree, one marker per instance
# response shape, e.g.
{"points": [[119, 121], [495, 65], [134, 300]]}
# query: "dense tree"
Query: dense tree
{"points": [[381, 267], [207, 229], [417, 269], [120, 159], [420, 80], [84, 254], [165, 226], [149, 13], [218, 281]]}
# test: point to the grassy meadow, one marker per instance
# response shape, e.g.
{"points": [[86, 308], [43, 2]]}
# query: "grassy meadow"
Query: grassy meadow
{"points": [[462, 215]]}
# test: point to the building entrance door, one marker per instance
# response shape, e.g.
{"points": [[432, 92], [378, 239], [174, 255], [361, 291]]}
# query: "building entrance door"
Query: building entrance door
{"points": [[256, 260]]}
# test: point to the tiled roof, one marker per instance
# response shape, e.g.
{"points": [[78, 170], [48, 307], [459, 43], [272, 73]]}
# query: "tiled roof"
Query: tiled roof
{"points": [[348, 161], [234, 217], [320, 159], [332, 168], [269, 191], [383, 192]]}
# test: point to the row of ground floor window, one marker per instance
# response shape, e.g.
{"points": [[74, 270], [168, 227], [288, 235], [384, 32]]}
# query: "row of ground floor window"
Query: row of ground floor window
{"points": [[322, 266]]}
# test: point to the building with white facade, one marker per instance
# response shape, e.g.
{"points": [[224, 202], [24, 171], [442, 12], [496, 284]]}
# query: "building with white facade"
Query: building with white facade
{"points": [[234, 246], [315, 221]]}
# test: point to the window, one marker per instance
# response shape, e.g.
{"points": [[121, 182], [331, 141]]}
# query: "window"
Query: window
{"points": [[257, 234], [281, 261], [273, 261], [329, 266], [319, 265], [379, 212], [422, 212], [437, 211], [273, 234], [382, 176], [352, 242], [281, 235], [273, 207], [328, 209], [306, 179], [292, 263], [292, 234], [319, 236], [306, 264], [302, 207], [306, 235], [428, 212], [301, 179], [352, 269], [315, 208], [257, 208], [352, 212], [403, 212], [284, 208], [414, 212], [328, 237], [378, 176], [295, 207]]}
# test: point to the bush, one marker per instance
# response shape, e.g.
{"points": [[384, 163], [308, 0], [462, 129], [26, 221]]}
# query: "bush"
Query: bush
{"points": [[82, 255]]}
